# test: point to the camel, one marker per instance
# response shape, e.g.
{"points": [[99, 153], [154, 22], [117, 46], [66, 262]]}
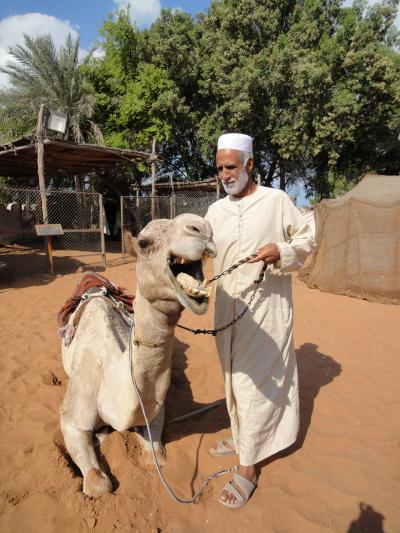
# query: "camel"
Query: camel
{"points": [[100, 391]]}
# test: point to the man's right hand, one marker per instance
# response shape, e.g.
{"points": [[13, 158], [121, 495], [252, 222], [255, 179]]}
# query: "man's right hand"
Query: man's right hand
{"points": [[269, 254]]}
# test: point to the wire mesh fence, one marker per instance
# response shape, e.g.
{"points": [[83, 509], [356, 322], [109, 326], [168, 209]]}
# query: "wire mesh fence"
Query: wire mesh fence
{"points": [[192, 201], [136, 211], [79, 213]]}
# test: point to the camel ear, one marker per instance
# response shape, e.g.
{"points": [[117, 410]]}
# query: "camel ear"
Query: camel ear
{"points": [[130, 243]]}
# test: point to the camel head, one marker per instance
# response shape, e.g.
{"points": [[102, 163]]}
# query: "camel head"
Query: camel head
{"points": [[170, 256]]}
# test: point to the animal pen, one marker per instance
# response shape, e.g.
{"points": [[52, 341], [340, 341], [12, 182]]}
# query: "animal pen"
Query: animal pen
{"points": [[174, 198], [81, 214]]}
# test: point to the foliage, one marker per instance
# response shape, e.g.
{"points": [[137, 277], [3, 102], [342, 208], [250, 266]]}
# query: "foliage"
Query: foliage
{"points": [[317, 85], [41, 74]]}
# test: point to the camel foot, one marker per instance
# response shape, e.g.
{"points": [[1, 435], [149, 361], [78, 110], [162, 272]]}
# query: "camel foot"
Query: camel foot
{"points": [[160, 454], [96, 483]]}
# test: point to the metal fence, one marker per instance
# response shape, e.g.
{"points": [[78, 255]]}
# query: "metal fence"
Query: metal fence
{"points": [[136, 211], [79, 213], [192, 201]]}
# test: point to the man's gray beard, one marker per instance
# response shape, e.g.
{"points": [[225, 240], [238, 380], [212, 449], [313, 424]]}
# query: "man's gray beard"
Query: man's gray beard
{"points": [[238, 185]]}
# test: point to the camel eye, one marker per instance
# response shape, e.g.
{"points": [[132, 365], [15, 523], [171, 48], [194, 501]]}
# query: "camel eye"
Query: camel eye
{"points": [[194, 228], [144, 243]]}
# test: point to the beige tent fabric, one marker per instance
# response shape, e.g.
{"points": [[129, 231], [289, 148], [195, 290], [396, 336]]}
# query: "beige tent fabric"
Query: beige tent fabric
{"points": [[257, 353], [358, 242]]}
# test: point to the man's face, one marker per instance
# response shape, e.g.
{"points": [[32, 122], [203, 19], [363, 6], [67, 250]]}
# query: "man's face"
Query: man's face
{"points": [[231, 171]]}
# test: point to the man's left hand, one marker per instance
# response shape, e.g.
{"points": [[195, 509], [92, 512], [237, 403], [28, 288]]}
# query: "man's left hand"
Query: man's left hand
{"points": [[268, 253]]}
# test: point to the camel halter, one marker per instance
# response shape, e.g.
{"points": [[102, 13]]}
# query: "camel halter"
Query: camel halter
{"points": [[137, 342]]}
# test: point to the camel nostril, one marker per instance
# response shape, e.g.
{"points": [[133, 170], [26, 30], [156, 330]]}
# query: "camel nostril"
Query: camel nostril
{"points": [[194, 228], [191, 228]]}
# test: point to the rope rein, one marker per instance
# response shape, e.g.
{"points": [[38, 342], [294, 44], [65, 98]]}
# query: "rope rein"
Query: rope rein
{"points": [[219, 473], [177, 499], [244, 311]]}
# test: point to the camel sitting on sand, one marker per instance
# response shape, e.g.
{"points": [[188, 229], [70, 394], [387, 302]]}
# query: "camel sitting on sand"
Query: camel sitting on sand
{"points": [[100, 390]]}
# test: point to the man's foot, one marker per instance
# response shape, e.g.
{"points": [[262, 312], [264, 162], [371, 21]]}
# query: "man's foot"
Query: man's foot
{"points": [[223, 447], [244, 490]]}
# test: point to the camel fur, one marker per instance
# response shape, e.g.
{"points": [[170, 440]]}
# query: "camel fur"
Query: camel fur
{"points": [[100, 390]]}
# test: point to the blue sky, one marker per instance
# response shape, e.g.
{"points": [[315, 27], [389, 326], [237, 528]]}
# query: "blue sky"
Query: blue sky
{"points": [[86, 16]]}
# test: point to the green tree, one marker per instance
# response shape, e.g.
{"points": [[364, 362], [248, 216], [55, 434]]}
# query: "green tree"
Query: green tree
{"points": [[315, 84]]}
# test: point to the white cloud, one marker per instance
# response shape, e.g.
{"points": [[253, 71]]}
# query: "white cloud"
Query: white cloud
{"points": [[143, 12], [33, 24]]}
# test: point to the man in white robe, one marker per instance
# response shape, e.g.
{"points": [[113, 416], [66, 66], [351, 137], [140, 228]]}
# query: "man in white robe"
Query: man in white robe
{"points": [[257, 353]]}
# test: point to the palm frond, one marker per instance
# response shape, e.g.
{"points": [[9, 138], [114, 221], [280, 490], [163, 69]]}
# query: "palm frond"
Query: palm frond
{"points": [[39, 73]]}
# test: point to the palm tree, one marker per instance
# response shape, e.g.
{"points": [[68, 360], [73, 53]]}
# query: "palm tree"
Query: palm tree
{"points": [[41, 74]]}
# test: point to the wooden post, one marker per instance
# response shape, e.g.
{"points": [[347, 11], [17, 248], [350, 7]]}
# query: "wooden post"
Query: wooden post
{"points": [[172, 205], [42, 183], [103, 243], [258, 179], [217, 188], [50, 253], [40, 163], [172, 199], [153, 180], [121, 204]]}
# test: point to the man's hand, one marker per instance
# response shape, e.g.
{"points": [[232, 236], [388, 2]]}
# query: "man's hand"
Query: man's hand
{"points": [[268, 253]]}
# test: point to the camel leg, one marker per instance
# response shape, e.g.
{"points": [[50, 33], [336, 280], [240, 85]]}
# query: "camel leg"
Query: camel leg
{"points": [[79, 444], [79, 418], [156, 428]]}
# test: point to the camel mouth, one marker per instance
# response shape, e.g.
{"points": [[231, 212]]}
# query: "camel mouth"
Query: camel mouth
{"points": [[188, 280]]}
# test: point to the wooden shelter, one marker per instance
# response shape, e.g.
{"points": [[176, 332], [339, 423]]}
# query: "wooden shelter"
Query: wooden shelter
{"points": [[18, 159], [38, 157]]}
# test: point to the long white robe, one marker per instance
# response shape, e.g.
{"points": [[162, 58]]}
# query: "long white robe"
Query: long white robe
{"points": [[257, 353]]}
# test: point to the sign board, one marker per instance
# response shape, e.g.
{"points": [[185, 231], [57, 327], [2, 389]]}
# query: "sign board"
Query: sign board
{"points": [[45, 230]]}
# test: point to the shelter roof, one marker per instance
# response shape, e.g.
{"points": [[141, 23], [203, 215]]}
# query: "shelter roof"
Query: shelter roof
{"points": [[18, 159]]}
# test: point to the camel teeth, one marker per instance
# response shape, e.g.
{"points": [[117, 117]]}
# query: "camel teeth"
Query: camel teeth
{"points": [[181, 260], [191, 286]]}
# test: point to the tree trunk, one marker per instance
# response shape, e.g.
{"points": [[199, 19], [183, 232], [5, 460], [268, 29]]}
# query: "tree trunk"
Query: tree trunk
{"points": [[282, 177], [270, 176]]}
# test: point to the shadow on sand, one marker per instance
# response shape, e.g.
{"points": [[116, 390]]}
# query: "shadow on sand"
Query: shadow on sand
{"points": [[179, 401], [27, 263], [369, 521], [315, 370]]}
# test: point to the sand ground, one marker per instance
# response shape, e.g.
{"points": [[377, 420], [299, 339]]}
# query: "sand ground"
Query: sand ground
{"points": [[341, 476]]}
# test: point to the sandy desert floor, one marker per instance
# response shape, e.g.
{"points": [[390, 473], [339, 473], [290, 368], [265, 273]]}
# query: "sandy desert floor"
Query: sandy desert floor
{"points": [[341, 476]]}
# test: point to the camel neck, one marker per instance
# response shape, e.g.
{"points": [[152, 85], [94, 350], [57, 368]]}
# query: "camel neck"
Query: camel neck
{"points": [[155, 321]]}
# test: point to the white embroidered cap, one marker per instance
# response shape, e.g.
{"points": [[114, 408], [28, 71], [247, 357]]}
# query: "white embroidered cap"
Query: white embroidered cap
{"points": [[236, 141]]}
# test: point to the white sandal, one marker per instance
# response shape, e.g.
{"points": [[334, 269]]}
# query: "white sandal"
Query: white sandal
{"points": [[222, 449], [246, 486]]}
